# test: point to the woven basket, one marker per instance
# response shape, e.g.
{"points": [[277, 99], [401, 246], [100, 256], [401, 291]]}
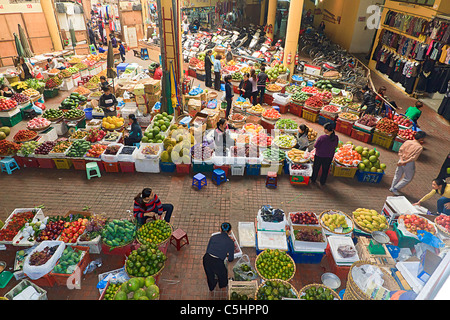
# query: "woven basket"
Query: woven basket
{"points": [[316, 285], [130, 297], [153, 275], [282, 252], [366, 229], [442, 230], [277, 280], [335, 232], [357, 293], [158, 243], [348, 295]]}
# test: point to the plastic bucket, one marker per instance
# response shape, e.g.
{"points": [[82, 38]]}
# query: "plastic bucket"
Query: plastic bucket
{"points": [[88, 113]]}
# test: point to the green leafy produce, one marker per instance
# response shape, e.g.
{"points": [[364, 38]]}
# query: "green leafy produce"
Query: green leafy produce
{"points": [[286, 124]]}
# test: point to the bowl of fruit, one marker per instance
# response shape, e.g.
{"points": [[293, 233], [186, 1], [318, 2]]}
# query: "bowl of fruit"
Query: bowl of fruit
{"points": [[7, 104]]}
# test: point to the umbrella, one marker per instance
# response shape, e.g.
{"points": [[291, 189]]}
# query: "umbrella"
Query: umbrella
{"points": [[25, 44], [110, 72], [19, 48], [73, 39]]}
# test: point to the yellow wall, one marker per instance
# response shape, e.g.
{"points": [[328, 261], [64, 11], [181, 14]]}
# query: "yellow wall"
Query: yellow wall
{"points": [[6, 7]]}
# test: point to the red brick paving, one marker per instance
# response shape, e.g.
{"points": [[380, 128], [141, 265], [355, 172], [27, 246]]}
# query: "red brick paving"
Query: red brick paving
{"points": [[200, 213]]}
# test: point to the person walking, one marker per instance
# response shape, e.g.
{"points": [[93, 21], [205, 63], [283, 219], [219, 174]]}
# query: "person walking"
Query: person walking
{"points": [[406, 167], [262, 81], [325, 148], [440, 187], [220, 247], [208, 65], [121, 50], [217, 72], [228, 95], [254, 83]]}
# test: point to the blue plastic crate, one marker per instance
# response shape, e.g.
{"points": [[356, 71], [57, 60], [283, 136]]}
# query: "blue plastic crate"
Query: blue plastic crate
{"points": [[304, 257], [202, 167], [253, 169], [167, 166], [370, 177], [323, 120]]}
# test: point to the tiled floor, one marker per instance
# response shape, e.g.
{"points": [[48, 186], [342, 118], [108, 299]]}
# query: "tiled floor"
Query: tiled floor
{"points": [[200, 213]]}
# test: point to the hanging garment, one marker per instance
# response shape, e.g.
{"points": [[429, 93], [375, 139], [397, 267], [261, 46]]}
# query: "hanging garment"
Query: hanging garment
{"points": [[442, 31], [435, 30]]}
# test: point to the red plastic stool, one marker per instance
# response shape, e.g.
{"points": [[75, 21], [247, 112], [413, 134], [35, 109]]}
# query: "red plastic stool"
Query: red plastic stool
{"points": [[392, 236], [177, 236], [271, 180]]}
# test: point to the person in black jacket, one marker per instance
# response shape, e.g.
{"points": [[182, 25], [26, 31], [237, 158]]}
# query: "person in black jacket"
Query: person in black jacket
{"points": [[246, 87], [369, 101], [220, 247], [262, 81], [228, 95], [108, 102], [208, 65], [135, 134]]}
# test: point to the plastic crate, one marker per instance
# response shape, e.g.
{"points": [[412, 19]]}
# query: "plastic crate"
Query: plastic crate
{"points": [[121, 251], [202, 167], [22, 286], [237, 170], [342, 171], [361, 135], [295, 109], [111, 166], [45, 281], [63, 163], [147, 165], [283, 108], [225, 168], [253, 169], [344, 127], [127, 166], [309, 115], [396, 145], [404, 241], [19, 160], [370, 177], [62, 279], [340, 271], [183, 168], [266, 168], [299, 180], [30, 162], [51, 93], [382, 140], [13, 119], [324, 120], [167, 166], [79, 164], [305, 256]]}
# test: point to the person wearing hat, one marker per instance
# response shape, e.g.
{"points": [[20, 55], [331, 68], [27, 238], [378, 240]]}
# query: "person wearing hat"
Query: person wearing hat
{"points": [[220, 247], [135, 134]]}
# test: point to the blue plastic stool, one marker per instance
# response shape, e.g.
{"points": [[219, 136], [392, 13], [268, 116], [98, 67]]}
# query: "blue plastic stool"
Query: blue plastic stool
{"points": [[271, 180], [219, 176], [144, 54], [8, 165], [199, 180], [92, 166]]}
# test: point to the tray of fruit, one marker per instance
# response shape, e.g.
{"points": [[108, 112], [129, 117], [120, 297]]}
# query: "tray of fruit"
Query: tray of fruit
{"points": [[271, 114], [406, 134], [24, 135], [310, 90], [151, 151], [312, 134], [348, 117], [15, 222], [442, 223], [409, 224], [80, 134], [299, 96], [285, 141], [336, 222], [257, 109], [275, 264], [287, 126], [369, 220], [367, 122], [202, 152], [95, 151], [387, 127], [157, 232], [253, 128], [330, 110], [304, 218], [60, 149], [44, 148], [31, 93], [326, 96], [346, 156], [38, 124], [314, 103], [20, 98], [298, 156], [236, 117], [7, 104], [402, 121], [275, 290], [317, 291], [73, 114], [261, 139], [273, 87], [273, 155], [53, 115]]}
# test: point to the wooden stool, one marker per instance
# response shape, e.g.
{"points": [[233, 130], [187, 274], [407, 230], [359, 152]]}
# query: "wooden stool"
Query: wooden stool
{"points": [[177, 236], [271, 180]]}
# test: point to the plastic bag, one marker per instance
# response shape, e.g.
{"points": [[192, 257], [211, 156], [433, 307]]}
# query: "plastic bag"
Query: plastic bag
{"points": [[243, 270], [37, 109], [36, 272], [240, 99], [429, 239]]}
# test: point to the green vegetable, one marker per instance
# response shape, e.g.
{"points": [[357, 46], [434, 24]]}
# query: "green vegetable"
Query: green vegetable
{"points": [[286, 124]]}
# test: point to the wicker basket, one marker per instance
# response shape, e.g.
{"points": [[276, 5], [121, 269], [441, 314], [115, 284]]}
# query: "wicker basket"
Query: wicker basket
{"points": [[282, 252], [442, 230], [366, 229], [316, 285], [277, 280], [357, 294], [348, 295], [153, 275], [159, 243], [335, 232]]}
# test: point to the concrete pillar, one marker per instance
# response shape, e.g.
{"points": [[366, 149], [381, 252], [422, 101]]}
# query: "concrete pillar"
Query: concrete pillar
{"points": [[262, 15], [49, 13], [292, 33], [271, 13]]}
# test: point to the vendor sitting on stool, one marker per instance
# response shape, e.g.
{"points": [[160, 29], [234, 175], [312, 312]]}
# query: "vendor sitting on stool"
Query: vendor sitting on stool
{"points": [[135, 134], [108, 102], [147, 205]]}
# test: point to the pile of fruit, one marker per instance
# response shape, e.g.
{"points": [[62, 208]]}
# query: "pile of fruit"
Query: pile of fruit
{"points": [[402, 121], [261, 139], [162, 122], [257, 109], [271, 114], [323, 84], [238, 296], [72, 101], [75, 60], [370, 160], [253, 128], [95, 135], [68, 260], [8, 147], [406, 134], [202, 152], [38, 123], [285, 141], [72, 70], [312, 134], [340, 101], [310, 90], [52, 114], [19, 86], [28, 148], [112, 123], [236, 117], [273, 87], [276, 290], [20, 98], [150, 150], [30, 92], [141, 288], [347, 116], [316, 293], [331, 109], [240, 151], [300, 96], [275, 264], [78, 148], [413, 223], [118, 233], [333, 220], [52, 230], [145, 261], [79, 134], [345, 155], [368, 120], [242, 139], [309, 235], [297, 156], [81, 66], [39, 258], [112, 149], [111, 136], [193, 61], [387, 126], [111, 290], [15, 224], [305, 217], [72, 230], [53, 82], [314, 102], [369, 220], [237, 76], [61, 146], [64, 74], [95, 151], [24, 135], [7, 104], [443, 222], [94, 227], [274, 72], [82, 90], [200, 65], [45, 148], [286, 124], [73, 114], [292, 88], [325, 95], [231, 68], [156, 231], [273, 155]]}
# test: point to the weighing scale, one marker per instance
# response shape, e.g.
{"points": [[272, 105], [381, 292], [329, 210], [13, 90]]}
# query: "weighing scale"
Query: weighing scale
{"points": [[73, 125], [376, 244]]}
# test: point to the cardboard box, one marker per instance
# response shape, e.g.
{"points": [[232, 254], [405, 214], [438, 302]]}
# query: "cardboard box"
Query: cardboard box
{"points": [[141, 99], [139, 89], [151, 86], [429, 261], [153, 98]]}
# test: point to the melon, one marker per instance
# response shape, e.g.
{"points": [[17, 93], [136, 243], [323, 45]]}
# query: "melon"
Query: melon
{"points": [[5, 130], [2, 135]]}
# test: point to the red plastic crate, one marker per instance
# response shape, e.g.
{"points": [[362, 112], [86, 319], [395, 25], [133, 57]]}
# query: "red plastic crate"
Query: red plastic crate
{"points": [[19, 160], [344, 127], [295, 109], [183, 168], [268, 99], [61, 279], [361, 135], [123, 251], [44, 281], [111, 166], [299, 180], [340, 271], [30, 162], [79, 164], [283, 109], [46, 163], [226, 169], [127, 167]]}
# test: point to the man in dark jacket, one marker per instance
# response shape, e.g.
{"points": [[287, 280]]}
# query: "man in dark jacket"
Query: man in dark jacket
{"points": [[208, 65], [368, 101], [108, 102], [262, 81]]}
